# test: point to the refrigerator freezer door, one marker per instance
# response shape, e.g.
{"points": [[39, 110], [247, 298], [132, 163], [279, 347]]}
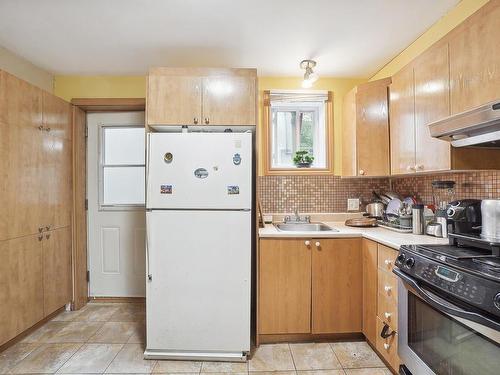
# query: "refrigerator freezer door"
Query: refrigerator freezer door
{"points": [[199, 171], [198, 295]]}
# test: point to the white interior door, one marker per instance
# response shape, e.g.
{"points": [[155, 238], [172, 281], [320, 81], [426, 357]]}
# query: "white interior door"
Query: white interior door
{"points": [[116, 204]]}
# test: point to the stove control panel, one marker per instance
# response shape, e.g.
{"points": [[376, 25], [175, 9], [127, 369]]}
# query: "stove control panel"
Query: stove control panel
{"points": [[482, 293]]}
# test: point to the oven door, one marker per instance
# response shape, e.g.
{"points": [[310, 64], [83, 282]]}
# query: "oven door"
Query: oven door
{"points": [[438, 337]]}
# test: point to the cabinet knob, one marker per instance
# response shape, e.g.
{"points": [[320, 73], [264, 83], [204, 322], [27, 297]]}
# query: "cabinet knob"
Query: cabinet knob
{"points": [[195, 120], [207, 120], [317, 244], [362, 172], [387, 288], [307, 243], [40, 237], [40, 229], [47, 236], [47, 129], [47, 227], [40, 128], [420, 167], [410, 168], [386, 346], [387, 315], [388, 262]]}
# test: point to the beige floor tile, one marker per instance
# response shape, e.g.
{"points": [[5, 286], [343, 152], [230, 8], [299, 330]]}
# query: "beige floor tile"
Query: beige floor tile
{"points": [[368, 371], [66, 316], [131, 360], [276, 357], [15, 354], [314, 356], [46, 331], [129, 313], [224, 367], [115, 332], [47, 358], [139, 334], [356, 355], [91, 358], [321, 372], [163, 367], [75, 332], [291, 372], [97, 312], [224, 373]]}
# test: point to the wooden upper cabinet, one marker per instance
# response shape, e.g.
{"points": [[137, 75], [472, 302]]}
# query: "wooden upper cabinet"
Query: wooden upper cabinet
{"points": [[56, 269], [475, 59], [229, 100], [57, 115], [174, 100], [349, 165], [284, 286], [201, 96], [432, 103], [372, 128], [21, 285], [21, 150], [336, 285], [402, 120], [370, 282]]}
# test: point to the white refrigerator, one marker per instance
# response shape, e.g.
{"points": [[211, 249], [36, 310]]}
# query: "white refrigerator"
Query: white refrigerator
{"points": [[199, 241]]}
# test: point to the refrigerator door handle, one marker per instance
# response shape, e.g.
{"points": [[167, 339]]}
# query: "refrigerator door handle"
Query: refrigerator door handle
{"points": [[150, 275]]}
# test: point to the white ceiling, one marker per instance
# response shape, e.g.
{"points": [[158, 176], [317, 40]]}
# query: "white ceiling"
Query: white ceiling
{"points": [[348, 38]]}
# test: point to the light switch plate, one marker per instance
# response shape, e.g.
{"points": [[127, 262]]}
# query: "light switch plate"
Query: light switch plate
{"points": [[353, 204]]}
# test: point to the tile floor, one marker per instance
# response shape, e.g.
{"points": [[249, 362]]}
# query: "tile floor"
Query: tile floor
{"points": [[109, 338]]}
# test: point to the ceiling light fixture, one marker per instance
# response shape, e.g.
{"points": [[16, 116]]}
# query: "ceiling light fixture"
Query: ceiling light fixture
{"points": [[309, 76]]}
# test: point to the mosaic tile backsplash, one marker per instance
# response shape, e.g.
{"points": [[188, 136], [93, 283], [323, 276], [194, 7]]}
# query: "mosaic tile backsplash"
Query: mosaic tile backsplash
{"points": [[323, 194]]}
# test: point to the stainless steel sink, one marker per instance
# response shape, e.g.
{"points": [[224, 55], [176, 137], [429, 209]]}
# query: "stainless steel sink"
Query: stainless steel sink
{"points": [[304, 227]]}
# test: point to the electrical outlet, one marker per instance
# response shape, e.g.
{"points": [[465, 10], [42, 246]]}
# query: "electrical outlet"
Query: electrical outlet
{"points": [[353, 204]]}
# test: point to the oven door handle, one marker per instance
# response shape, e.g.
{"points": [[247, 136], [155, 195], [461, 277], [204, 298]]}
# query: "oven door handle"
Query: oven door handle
{"points": [[443, 305]]}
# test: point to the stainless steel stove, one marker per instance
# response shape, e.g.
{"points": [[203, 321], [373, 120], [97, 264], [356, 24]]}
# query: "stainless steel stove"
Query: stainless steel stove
{"points": [[449, 307]]}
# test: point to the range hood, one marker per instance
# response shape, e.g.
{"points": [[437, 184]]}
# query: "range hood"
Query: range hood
{"points": [[478, 127]]}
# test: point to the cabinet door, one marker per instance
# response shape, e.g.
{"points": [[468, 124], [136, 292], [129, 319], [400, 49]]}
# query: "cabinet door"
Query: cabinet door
{"points": [[21, 285], [388, 347], [402, 119], [56, 269], [174, 100], [20, 153], [284, 286], [432, 102], [475, 59], [229, 100], [372, 130], [56, 116], [336, 285], [349, 167], [370, 290]]}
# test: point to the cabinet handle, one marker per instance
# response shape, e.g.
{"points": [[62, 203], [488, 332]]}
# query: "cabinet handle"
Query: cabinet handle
{"points": [[387, 315], [361, 172], [307, 243], [317, 244], [387, 288], [385, 332], [195, 120], [207, 120], [388, 262]]}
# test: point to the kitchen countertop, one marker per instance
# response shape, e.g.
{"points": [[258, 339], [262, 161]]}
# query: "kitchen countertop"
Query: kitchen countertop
{"points": [[380, 235]]}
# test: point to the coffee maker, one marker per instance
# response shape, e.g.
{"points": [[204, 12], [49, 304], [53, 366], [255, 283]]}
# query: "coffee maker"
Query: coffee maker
{"points": [[464, 217]]}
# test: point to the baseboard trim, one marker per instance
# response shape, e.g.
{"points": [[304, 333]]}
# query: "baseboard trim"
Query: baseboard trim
{"points": [[30, 330], [118, 299], [310, 337]]}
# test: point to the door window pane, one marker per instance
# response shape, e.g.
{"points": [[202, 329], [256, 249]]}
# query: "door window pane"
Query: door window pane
{"points": [[123, 145], [124, 186]]}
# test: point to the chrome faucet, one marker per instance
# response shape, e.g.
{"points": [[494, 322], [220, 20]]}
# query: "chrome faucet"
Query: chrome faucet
{"points": [[296, 218]]}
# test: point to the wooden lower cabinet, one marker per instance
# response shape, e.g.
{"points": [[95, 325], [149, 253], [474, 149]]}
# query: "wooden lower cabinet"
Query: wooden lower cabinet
{"points": [[336, 285], [369, 255], [56, 246], [310, 286], [21, 285], [284, 286], [388, 347]]}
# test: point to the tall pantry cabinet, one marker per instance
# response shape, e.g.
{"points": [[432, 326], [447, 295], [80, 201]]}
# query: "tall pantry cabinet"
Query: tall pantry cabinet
{"points": [[35, 201]]}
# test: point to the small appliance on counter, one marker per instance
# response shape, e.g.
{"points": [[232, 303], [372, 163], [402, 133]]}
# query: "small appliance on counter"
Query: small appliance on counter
{"points": [[449, 297], [490, 216]]}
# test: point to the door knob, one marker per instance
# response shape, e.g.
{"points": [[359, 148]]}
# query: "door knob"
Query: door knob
{"points": [[307, 243]]}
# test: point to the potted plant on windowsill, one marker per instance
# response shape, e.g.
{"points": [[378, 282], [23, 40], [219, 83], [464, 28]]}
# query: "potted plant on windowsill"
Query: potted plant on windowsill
{"points": [[302, 159]]}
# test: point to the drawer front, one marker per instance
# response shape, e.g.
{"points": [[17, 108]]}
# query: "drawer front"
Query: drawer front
{"points": [[386, 258], [388, 347], [387, 288], [387, 309]]}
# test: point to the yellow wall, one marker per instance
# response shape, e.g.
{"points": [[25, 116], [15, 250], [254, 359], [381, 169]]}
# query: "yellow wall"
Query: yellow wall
{"points": [[447, 23], [69, 87]]}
